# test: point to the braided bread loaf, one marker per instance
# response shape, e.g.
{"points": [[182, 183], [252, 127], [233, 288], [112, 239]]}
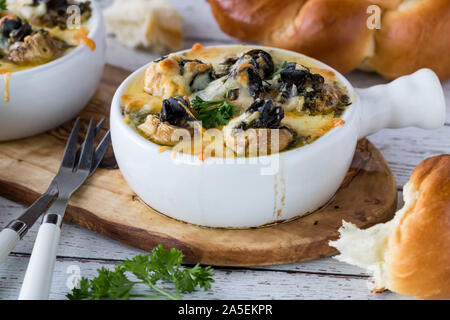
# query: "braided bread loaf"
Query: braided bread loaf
{"points": [[413, 34]]}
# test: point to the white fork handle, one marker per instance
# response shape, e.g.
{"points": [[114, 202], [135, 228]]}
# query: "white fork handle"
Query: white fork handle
{"points": [[38, 278], [8, 240]]}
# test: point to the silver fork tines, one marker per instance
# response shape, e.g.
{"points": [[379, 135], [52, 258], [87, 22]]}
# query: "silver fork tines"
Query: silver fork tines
{"points": [[101, 150], [71, 146], [87, 150], [75, 170]]}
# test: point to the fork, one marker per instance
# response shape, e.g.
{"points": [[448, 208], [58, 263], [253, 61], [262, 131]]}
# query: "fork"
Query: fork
{"points": [[17, 228], [71, 175]]}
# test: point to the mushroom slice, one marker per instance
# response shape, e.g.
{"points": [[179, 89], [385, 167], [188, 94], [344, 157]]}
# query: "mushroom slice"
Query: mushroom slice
{"points": [[162, 132], [258, 131], [37, 48], [174, 75], [175, 122], [254, 142]]}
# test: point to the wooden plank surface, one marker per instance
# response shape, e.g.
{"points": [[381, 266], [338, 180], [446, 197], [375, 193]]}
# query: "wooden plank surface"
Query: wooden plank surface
{"points": [[246, 284], [321, 279]]}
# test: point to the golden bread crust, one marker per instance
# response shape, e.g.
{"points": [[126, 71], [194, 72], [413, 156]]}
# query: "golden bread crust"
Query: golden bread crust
{"points": [[418, 253], [413, 34]]}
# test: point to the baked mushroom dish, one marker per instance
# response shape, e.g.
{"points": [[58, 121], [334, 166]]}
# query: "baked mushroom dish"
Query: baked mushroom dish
{"points": [[234, 101], [34, 32]]}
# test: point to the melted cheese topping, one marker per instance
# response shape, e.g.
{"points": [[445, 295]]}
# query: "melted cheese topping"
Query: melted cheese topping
{"points": [[312, 126], [6, 88], [164, 79], [80, 35], [25, 8], [72, 37]]}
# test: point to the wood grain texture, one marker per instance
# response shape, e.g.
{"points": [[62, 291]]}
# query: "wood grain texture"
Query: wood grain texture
{"points": [[78, 243], [246, 284], [105, 204]]}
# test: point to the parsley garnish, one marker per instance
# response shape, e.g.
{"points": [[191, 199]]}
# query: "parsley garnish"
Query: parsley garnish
{"points": [[3, 5], [280, 68], [213, 113], [148, 269]]}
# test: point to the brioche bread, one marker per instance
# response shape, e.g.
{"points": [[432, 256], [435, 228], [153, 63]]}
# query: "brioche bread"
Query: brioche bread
{"points": [[150, 24], [413, 34], [411, 253]]}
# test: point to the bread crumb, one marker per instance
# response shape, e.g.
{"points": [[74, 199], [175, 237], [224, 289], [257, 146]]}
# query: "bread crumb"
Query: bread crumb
{"points": [[147, 24]]}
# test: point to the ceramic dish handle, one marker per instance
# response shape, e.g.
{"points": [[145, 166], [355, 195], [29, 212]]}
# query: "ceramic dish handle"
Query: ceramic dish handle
{"points": [[413, 100]]}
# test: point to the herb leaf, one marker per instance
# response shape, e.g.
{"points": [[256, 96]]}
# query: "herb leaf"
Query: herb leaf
{"points": [[213, 113], [81, 291], [3, 5], [162, 265], [280, 68]]}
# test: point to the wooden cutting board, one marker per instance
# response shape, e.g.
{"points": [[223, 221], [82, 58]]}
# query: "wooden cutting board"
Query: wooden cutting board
{"points": [[105, 204]]}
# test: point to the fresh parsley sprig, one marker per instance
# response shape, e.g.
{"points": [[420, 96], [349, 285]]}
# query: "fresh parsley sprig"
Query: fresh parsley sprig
{"points": [[3, 5], [162, 265], [213, 113]]}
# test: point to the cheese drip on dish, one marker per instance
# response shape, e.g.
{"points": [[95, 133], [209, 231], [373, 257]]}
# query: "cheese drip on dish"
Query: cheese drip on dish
{"points": [[240, 101]]}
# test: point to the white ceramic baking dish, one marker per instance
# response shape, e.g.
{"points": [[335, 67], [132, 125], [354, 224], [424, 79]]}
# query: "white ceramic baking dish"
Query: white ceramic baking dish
{"points": [[250, 194], [46, 96]]}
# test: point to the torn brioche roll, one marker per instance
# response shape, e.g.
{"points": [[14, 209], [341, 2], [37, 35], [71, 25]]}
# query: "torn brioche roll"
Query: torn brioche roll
{"points": [[410, 254]]}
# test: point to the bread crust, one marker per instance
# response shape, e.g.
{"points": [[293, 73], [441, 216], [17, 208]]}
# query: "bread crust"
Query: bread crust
{"points": [[418, 253], [414, 38], [413, 34]]}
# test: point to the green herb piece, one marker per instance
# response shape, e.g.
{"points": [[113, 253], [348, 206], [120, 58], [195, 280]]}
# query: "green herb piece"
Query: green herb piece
{"points": [[162, 265], [280, 68], [213, 113], [3, 5]]}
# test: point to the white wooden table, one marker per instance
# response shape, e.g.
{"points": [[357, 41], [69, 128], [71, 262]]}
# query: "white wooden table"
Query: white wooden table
{"points": [[320, 279]]}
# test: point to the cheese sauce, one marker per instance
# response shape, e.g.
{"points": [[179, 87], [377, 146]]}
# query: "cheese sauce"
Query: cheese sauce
{"points": [[73, 38], [29, 44]]}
